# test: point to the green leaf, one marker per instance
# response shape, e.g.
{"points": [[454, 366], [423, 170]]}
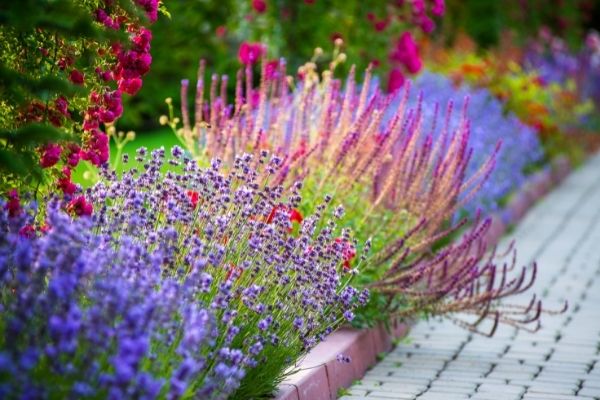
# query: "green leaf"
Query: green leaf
{"points": [[33, 135]]}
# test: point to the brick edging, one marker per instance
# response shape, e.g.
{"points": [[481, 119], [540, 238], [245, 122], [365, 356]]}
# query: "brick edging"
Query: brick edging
{"points": [[321, 375]]}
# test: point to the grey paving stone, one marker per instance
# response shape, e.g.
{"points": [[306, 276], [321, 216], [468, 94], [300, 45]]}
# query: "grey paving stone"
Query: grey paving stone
{"points": [[560, 361]]}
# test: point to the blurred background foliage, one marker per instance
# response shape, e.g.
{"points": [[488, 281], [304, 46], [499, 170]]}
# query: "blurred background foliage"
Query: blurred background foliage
{"points": [[213, 30]]}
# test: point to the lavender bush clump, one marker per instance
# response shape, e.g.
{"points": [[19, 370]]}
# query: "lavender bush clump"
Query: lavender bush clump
{"points": [[82, 319], [187, 283], [520, 148], [276, 287]]}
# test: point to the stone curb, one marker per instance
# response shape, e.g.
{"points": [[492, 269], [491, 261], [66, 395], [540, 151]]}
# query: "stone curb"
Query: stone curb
{"points": [[322, 375]]}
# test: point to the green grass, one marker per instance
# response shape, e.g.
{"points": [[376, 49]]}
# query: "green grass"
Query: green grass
{"points": [[151, 140]]}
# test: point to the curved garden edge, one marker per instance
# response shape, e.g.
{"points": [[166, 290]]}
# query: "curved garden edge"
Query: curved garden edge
{"points": [[322, 375]]}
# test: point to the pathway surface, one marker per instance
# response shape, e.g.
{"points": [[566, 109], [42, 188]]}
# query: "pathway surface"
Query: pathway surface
{"points": [[560, 361]]}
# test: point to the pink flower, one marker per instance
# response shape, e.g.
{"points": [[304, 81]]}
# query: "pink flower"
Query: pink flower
{"points": [[50, 155], [80, 207], [439, 8], [73, 155], [348, 251], [395, 80], [151, 8], [427, 24], [260, 6], [76, 77], [96, 148], [407, 53], [250, 53], [130, 86], [272, 70]]}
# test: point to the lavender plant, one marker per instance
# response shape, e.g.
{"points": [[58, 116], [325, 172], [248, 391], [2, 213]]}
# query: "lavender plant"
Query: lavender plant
{"points": [[241, 289], [400, 183], [83, 319]]}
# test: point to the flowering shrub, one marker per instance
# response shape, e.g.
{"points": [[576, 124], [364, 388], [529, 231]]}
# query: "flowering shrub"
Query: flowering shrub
{"points": [[401, 186], [224, 240], [549, 108], [66, 78]]}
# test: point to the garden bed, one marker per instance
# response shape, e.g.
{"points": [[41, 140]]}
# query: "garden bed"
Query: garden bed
{"points": [[321, 375]]}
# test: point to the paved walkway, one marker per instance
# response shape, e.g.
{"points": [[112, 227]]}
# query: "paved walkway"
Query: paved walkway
{"points": [[560, 361]]}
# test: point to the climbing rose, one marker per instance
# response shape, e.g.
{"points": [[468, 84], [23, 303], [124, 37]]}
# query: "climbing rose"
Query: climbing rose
{"points": [[50, 155], [130, 86], [76, 77], [79, 206]]}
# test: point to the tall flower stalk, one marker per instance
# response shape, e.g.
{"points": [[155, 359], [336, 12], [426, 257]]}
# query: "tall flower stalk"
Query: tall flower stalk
{"points": [[400, 185]]}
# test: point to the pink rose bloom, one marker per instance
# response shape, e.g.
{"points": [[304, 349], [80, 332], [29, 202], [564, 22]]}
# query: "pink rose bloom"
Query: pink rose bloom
{"points": [[130, 86], [250, 53], [50, 155]]}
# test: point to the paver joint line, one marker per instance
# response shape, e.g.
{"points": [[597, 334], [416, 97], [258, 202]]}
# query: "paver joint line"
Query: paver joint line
{"points": [[562, 360]]}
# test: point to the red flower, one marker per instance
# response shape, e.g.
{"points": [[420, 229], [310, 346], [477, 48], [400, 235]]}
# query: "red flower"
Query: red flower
{"points": [[79, 206], [260, 6], [50, 155], [65, 183], [28, 231], [13, 205], [193, 196], [348, 251], [233, 272], [250, 53], [293, 214], [76, 77]]}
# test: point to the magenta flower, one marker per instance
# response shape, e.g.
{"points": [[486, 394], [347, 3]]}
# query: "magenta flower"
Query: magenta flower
{"points": [[50, 155], [130, 86], [271, 70], [395, 80], [407, 53], [250, 53], [260, 6], [76, 77], [151, 8]]}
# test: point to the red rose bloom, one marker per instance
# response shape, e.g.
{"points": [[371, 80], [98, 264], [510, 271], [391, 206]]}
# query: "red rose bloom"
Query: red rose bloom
{"points": [[76, 77], [79, 206]]}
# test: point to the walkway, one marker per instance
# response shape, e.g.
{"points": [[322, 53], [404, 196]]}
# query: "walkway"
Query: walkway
{"points": [[560, 361]]}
